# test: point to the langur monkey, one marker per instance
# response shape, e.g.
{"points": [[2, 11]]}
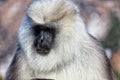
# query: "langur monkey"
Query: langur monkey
{"points": [[54, 45]]}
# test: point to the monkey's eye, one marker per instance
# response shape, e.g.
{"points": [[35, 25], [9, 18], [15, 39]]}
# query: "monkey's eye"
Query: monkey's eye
{"points": [[37, 29]]}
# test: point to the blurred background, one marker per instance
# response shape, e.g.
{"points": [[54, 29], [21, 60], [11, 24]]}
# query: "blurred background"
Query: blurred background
{"points": [[101, 17]]}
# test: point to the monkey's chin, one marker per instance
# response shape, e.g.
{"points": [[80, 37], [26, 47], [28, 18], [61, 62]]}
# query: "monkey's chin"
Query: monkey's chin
{"points": [[42, 51]]}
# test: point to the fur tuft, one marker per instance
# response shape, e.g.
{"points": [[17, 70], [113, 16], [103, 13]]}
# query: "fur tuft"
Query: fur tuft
{"points": [[46, 11]]}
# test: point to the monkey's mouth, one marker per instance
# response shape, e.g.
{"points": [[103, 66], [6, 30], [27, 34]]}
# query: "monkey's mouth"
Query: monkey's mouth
{"points": [[44, 38]]}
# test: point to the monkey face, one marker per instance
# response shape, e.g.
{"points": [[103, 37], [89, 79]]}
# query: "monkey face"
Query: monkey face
{"points": [[44, 38]]}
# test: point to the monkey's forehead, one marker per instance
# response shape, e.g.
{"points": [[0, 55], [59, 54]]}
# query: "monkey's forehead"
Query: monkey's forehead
{"points": [[45, 11]]}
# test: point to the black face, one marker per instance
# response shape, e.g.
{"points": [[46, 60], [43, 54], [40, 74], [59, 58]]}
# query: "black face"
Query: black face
{"points": [[44, 38]]}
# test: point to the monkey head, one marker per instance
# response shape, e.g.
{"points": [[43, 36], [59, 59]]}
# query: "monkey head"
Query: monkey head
{"points": [[44, 38], [51, 28]]}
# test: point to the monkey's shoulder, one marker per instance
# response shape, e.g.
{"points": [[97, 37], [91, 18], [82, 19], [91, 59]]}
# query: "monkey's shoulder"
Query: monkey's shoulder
{"points": [[12, 72]]}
